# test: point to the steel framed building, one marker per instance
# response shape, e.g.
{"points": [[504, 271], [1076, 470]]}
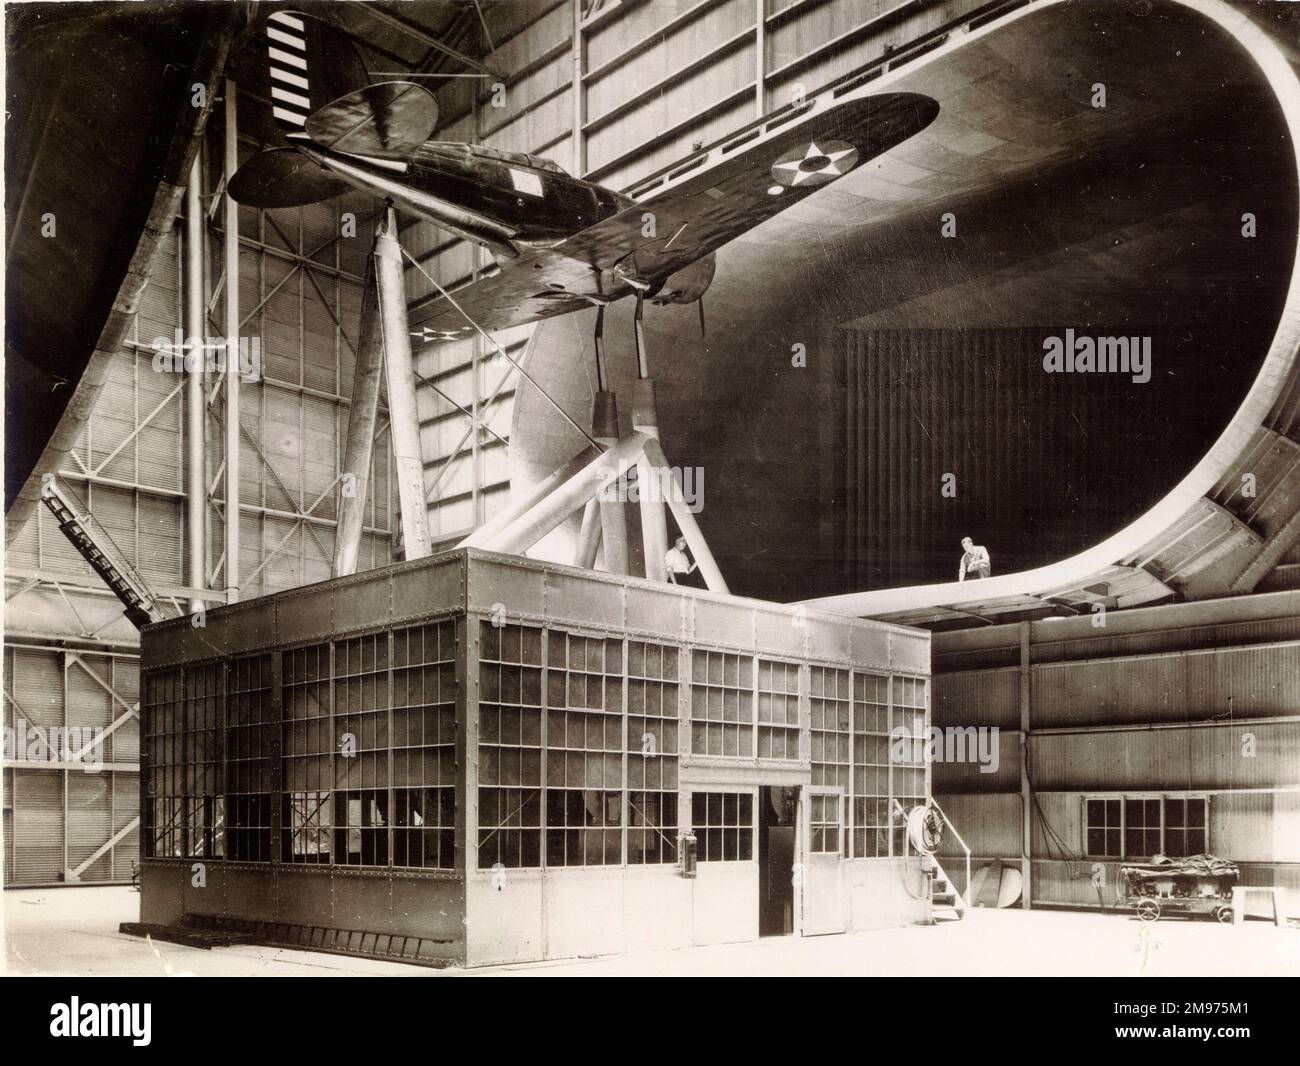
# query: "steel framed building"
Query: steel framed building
{"points": [[474, 758], [623, 93]]}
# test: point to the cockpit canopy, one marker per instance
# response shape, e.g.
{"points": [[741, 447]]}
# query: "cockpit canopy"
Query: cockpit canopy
{"points": [[522, 159]]}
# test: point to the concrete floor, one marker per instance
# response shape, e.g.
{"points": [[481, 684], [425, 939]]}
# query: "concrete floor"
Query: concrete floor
{"points": [[74, 931]]}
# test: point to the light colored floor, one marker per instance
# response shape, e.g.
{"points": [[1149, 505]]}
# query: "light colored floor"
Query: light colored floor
{"points": [[74, 931]]}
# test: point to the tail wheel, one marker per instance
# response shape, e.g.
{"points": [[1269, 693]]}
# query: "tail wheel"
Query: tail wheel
{"points": [[1148, 910], [1224, 914]]}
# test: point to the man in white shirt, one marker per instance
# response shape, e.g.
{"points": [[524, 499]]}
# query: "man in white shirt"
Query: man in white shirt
{"points": [[974, 560], [678, 563]]}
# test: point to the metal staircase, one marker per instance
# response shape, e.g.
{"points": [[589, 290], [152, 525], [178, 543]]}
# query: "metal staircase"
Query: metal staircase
{"points": [[946, 902], [924, 830], [105, 558]]}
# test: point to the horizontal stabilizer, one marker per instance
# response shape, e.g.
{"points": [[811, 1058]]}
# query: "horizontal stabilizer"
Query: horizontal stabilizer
{"points": [[283, 177], [390, 119]]}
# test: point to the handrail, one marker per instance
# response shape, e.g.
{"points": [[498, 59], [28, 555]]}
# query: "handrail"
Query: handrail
{"points": [[948, 822]]}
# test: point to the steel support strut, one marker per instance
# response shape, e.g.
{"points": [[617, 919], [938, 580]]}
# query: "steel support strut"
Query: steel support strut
{"points": [[363, 417], [403, 420], [196, 498], [604, 427], [231, 258], [645, 420]]}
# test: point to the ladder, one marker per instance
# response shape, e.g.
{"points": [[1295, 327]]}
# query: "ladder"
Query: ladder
{"points": [[97, 548]]}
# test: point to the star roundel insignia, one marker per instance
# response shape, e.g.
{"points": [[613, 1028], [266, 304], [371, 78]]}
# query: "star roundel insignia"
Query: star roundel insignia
{"points": [[815, 163], [428, 334]]}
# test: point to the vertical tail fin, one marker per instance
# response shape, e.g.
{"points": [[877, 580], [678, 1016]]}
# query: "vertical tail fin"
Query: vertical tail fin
{"points": [[309, 64], [318, 85]]}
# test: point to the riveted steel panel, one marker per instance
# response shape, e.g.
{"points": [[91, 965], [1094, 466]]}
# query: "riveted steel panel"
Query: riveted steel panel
{"points": [[572, 598], [302, 897], [363, 601], [233, 630], [433, 589], [520, 590], [210, 898], [871, 648], [779, 631], [828, 640], [429, 907], [304, 614], [248, 890], [657, 611], [719, 622], [160, 645], [162, 893], [909, 650], [361, 902]]}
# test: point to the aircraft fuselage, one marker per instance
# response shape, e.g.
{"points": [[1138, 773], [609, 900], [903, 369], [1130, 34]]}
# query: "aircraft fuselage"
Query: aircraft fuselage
{"points": [[485, 196]]}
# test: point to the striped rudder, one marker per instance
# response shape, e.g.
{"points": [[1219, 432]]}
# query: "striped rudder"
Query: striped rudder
{"points": [[309, 64]]}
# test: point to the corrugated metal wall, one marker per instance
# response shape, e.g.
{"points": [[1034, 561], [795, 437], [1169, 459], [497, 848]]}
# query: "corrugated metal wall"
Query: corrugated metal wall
{"points": [[58, 818], [1149, 711]]}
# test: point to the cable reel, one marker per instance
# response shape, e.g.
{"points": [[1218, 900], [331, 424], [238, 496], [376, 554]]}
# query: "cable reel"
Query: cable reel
{"points": [[924, 829]]}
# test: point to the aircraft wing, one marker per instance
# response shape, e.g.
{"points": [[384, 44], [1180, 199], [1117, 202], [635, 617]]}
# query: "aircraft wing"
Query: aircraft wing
{"points": [[527, 289], [696, 209]]}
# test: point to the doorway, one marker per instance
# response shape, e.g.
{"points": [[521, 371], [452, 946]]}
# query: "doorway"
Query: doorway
{"points": [[778, 810]]}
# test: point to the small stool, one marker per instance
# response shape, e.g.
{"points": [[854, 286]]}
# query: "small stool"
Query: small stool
{"points": [[1239, 902]]}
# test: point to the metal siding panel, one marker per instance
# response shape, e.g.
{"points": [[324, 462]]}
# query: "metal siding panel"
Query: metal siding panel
{"points": [[126, 806], [38, 686], [1241, 827], [713, 622], [573, 599], [978, 697], [1128, 691], [779, 633], [1208, 757], [438, 588], [88, 704], [38, 827], [1245, 681], [831, 640], [968, 777], [1063, 813], [89, 823], [519, 591], [989, 823], [652, 610], [674, 52]]}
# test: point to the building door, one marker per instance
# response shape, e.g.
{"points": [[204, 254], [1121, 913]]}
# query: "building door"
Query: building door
{"points": [[825, 893], [778, 817]]}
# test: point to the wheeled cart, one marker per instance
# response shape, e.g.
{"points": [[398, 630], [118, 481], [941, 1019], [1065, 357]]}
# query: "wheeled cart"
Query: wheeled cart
{"points": [[1199, 884]]}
